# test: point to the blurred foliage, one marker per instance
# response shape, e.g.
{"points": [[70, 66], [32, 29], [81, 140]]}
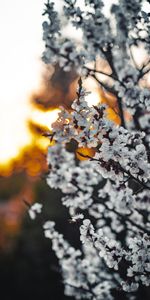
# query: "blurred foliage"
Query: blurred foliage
{"points": [[29, 270]]}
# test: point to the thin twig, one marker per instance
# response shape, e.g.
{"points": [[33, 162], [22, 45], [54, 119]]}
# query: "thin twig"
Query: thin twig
{"points": [[121, 169], [143, 72], [123, 216], [100, 72]]}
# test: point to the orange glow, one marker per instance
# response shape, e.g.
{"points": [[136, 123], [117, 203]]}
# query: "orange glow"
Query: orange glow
{"points": [[85, 151], [113, 116], [112, 110], [12, 211], [10, 152]]}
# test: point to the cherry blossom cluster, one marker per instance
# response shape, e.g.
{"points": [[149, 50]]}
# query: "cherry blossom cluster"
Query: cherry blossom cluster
{"points": [[75, 181], [81, 278], [118, 151], [107, 195]]}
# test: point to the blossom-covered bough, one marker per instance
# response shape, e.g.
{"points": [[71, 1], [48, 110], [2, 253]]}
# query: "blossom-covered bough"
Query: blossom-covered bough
{"points": [[107, 195]]}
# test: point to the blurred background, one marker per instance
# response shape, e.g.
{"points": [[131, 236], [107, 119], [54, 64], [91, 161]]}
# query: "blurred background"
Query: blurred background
{"points": [[30, 96]]}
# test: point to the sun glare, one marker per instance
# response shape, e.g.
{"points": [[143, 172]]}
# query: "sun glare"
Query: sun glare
{"points": [[20, 71], [45, 119], [93, 98]]}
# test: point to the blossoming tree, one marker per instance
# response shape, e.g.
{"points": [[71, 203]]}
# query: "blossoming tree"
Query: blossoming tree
{"points": [[108, 194]]}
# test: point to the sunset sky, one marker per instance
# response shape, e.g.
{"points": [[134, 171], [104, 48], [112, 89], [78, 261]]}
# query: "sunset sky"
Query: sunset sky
{"points": [[20, 69], [20, 72]]}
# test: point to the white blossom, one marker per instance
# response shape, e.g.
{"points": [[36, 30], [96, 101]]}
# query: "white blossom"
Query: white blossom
{"points": [[107, 195], [35, 209]]}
